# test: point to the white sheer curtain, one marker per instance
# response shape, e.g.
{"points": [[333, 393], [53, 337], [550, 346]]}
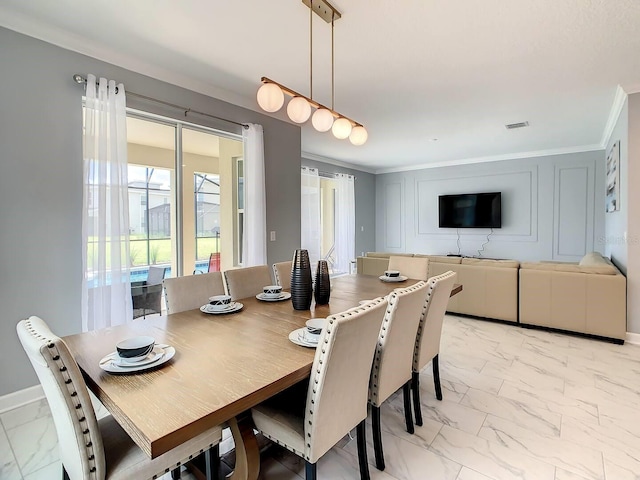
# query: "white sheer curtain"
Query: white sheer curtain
{"points": [[106, 287], [310, 213], [254, 242], [345, 222]]}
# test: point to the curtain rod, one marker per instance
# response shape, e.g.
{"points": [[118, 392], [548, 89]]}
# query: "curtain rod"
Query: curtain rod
{"points": [[79, 79], [329, 174]]}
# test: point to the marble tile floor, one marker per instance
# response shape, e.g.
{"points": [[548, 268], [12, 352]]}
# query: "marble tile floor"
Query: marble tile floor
{"points": [[518, 404]]}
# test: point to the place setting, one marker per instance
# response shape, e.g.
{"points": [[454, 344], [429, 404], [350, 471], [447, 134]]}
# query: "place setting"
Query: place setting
{"points": [[309, 335], [136, 354], [392, 276], [220, 304], [273, 293]]}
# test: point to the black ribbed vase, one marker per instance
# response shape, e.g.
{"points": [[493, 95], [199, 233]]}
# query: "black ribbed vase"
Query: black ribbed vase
{"points": [[322, 290], [301, 287]]}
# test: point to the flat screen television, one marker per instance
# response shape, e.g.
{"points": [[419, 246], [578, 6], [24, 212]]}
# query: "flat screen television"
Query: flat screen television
{"points": [[470, 210]]}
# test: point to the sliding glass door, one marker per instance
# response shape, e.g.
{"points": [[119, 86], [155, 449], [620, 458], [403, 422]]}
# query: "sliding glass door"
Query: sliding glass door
{"points": [[184, 190]]}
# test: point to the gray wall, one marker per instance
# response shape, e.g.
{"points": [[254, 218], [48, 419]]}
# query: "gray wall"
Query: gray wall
{"points": [[365, 193], [41, 183], [552, 208], [615, 244]]}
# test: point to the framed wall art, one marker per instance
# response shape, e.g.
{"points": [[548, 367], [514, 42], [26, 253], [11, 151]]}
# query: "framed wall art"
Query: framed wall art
{"points": [[613, 179]]}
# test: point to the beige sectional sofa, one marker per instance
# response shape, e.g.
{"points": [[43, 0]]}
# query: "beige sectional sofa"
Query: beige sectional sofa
{"points": [[587, 297]]}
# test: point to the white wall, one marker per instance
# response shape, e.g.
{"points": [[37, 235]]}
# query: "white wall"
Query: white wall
{"points": [[552, 208]]}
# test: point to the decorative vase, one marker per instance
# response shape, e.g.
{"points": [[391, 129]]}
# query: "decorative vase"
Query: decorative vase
{"points": [[301, 287], [322, 290]]}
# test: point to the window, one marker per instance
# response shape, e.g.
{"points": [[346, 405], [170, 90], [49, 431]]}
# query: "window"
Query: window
{"points": [[179, 218]]}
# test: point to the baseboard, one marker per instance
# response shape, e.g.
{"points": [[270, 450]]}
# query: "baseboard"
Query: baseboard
{"points": [[633, 338], [20, 398]]}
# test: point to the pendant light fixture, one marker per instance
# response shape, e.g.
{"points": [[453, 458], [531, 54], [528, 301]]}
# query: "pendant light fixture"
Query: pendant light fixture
{"points": [[271, 94]]}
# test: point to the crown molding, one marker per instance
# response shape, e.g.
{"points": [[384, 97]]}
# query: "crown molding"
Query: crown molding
{"points": [[631, 88], [494, 158], [614, 115], [338, 163]]}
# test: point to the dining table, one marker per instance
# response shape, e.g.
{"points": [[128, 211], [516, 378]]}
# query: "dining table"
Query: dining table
{"points": [[224, 364]]}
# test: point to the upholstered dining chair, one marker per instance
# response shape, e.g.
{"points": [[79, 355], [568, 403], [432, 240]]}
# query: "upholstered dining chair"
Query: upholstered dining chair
{"points": [[310, 418], [427, 346], [282, 274], [191, 291], [247, 282], [98, 449], [412, 267], [393, 358]]}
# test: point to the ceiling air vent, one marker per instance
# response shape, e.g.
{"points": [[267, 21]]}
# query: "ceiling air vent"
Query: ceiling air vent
{"points": [[511, 126]]}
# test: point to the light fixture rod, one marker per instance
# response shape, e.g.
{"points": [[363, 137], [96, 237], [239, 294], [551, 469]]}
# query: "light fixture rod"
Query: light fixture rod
{"points": [[293, 93], [333, 71], [311, 50]]}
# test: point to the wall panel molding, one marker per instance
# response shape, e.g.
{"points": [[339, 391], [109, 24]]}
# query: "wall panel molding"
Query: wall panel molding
{"points": [[394, 216]]}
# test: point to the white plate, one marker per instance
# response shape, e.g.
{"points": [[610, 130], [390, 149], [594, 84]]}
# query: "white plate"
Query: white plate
{"points": [[401, 278], [233, 307], [282, 296], [296, 337], [108, 364]]}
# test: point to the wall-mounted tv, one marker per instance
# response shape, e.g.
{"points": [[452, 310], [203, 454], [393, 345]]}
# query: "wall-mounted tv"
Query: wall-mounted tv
{"points": [[470, 210]]}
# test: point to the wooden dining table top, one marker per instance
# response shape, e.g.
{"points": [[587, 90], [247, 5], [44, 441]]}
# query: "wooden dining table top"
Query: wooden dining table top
{"points": [[224, 364]]}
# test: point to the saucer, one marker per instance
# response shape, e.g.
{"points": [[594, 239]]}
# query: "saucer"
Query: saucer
{"points": [[279, 298], [297, 337], [233, 307], [110, 363], [401, 278]]}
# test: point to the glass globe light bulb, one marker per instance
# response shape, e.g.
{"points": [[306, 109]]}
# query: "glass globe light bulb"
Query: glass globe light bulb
{"points": [[341, 128], [299, 110], [358, 135], [270, 97], [322, 119]]}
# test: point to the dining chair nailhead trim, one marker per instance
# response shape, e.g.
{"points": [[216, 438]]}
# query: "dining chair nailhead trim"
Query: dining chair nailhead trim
{"points": [[392, 298], [72, 391]]}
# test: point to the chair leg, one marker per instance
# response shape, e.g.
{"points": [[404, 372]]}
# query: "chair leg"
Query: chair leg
{"points": [[415, 387], [65, 475], [408, 417], [176, 474], [436, 377], [212, 463], [377, 437], [361, 434], [310, 471]]}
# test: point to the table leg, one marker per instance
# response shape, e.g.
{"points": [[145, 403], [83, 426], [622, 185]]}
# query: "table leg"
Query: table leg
{"points": [[247, 451]]}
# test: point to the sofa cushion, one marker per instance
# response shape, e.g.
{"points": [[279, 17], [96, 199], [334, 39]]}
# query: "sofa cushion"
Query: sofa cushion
{"points": [[485, 262], [593, 258], [442, 259], [387, 254], [602, 269]]}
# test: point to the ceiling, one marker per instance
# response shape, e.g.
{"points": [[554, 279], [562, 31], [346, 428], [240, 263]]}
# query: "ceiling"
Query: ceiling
{"points": [[433, 81]]}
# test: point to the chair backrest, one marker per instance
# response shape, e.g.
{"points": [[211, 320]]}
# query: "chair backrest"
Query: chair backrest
{"points": [[394, 351], [282, 274], [191, 291], [79, 439], [156, 275], [247, 282], [412, 267], [430, 329], [338, 386]]}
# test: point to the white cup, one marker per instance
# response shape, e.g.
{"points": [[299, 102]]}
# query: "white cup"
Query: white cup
{"points": [[272, 291], [392, 273], [219, 302]]}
